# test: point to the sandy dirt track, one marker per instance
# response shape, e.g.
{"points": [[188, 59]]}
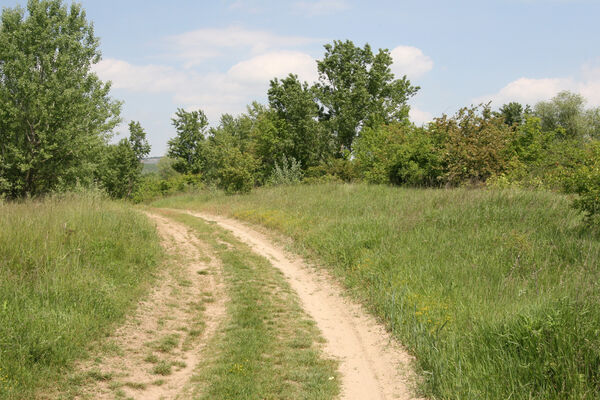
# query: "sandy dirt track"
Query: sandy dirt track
{"points": [[372, 364]]}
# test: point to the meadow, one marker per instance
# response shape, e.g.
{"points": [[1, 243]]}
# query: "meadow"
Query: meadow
{"points": [[494, 291], [71, 267]]}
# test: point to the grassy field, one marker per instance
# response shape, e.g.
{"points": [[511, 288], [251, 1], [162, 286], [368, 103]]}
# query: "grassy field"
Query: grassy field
{"points": [[70, 267], [495, 292]]}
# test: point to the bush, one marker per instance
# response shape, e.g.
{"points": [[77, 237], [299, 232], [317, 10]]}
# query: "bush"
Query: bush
{"points": [[477, 145], [152, 186], [288, 173], [586, 183]]}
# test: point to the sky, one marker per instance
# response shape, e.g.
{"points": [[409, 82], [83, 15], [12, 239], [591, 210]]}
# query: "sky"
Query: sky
{"points": [[219, 56]]}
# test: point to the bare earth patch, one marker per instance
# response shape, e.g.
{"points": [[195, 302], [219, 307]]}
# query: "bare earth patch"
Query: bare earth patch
{"points": [[372, 364], [155, 352]]}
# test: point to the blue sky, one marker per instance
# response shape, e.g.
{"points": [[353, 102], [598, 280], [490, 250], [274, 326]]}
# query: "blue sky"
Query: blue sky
{"points": [[219, 55]]}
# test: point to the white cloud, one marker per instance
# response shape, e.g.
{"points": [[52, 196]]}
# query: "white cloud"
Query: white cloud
{"points": [[197, 46], [531, 90], [261, 69], [320, 7], [215, 93], [418, 116], [410, 61], [146, 78]]}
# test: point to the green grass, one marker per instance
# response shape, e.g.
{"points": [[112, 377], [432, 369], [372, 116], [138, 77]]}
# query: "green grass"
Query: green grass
{"points": [[495, 292], [70, 267], [268, 348]]}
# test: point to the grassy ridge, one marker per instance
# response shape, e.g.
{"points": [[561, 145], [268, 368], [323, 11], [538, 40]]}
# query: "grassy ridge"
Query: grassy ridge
{"points": [[495, 292], [69, 267]]}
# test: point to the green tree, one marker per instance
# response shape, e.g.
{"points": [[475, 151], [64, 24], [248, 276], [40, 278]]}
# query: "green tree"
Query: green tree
{"points": [[566, 112], [187, 147], [55, 114], [121, 170], [226, 165], [357, 88], [302, 137], [137, 140], [513, 113]]}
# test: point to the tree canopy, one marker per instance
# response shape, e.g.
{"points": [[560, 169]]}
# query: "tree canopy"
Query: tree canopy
{"points": [[55, 113], [357, 88]]}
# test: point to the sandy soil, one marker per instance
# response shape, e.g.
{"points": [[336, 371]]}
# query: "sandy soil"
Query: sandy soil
{"points": [[372, 364], [171, 309]]}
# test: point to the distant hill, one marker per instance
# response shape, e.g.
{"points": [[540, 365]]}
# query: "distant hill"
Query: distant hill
{"points": [[150, 165]]}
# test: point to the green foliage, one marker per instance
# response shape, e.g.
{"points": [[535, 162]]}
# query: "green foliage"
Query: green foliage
{"points": [[187, 147], [153, 186], [566, 113], [289, 172], [586, 183], [477, 145], [513, 113], [303, 137], [418, 160], [357, 88], [121, 168], [71, 267], [227, 166], [55, 114], [398, 153], [530, 143]]}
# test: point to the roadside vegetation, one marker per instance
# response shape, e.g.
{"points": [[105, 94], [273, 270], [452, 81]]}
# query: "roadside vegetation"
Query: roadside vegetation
{"points": [[71, 267], [268, 348], [494, 291]]}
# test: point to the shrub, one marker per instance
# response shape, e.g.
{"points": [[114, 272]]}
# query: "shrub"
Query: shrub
{"points": [[288, 173], [586, 183], [476, 145]]}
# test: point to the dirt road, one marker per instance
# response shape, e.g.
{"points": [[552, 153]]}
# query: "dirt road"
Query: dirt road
{"points": [[372, 364], [173, 327]]}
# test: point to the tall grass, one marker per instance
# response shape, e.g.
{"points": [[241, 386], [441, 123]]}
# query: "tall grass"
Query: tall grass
{"points": [[495, 292], [70, 266]]}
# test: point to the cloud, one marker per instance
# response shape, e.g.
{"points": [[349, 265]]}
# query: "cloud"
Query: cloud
{"points": [[532, 90], [197, 46], [261, 69], [146, 78], [410, 61], [215, 93], [419, 117], [320, 7]]}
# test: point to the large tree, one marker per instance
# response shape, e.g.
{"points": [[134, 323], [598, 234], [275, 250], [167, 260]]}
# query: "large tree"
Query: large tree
{"points": [[357, 88], [299, 133], [55, 114]]}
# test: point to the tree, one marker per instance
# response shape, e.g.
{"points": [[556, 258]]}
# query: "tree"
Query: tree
{"points": [[55, 114], [303, 138], [564, 111], [137, 140], [358, 89], [121, 170], [513, 113], [186, 148]]}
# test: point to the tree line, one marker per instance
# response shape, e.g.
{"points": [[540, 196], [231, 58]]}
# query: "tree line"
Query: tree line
{"points": [[56, 119]]}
